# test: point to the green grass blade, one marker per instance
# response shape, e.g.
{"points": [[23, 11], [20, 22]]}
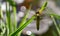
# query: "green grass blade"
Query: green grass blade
{"points": [[1, 13], [50, 13], [43, 7], [15, 22], [12, 3], [25, 17], [23, 26], [8, 20], [56, 16], [58, 30]]}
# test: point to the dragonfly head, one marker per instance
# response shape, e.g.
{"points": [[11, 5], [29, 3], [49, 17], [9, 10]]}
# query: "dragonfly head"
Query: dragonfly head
{"points": [[37, 14]]}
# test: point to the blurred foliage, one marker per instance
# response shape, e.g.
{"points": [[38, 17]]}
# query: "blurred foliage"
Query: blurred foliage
{"points": [[24, 23], [57, 2], [11, 2]]}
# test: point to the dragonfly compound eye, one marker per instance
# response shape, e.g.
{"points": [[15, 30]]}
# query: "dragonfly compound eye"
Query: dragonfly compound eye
{"points": [[37, 14]]}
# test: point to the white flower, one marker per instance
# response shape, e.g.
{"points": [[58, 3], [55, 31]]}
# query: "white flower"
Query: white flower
{"points": [[3, 7], [20, 14], [28, 32], [18, 1], [23, 8]]}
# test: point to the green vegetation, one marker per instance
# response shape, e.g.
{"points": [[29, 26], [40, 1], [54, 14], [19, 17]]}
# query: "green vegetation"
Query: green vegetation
{"points": [[12, 29]]}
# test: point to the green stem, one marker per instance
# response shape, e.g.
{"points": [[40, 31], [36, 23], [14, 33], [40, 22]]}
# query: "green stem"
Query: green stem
{"points": [[8, 20], [43, 7], [15, 22], [55, 24], [23, 26], [24, 19], [1, 13]]}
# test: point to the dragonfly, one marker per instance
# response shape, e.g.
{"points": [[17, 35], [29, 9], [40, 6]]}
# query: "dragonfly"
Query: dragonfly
{"points": [[38, 14]]}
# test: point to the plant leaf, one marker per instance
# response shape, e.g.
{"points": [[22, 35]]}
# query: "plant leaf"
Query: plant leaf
{"points": [[11, 2], [43, 7], [23, 26]]}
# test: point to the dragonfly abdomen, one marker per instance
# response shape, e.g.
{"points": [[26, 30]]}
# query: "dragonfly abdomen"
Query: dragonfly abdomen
{"points": [[37, 20]]}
